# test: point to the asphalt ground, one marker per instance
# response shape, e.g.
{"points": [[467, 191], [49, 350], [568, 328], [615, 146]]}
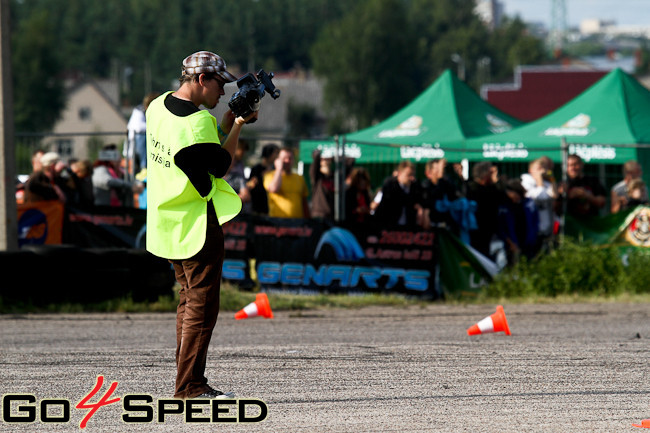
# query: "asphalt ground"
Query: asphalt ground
{"points": [[565, 368]]}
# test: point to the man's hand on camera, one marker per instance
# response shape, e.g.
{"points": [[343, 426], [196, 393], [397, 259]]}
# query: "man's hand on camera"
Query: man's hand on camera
{"points": [[242, 120]]}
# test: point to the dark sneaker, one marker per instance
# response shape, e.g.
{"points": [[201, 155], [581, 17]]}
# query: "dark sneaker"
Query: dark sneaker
{"points": [[216, 394]]}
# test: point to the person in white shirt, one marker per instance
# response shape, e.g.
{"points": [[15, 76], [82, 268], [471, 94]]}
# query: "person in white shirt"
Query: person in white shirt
{"points": [[539, 188], [136, 148]]}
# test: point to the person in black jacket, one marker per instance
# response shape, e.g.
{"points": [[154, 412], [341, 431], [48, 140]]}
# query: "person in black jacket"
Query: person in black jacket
{"points": [[255, 184], [357, 197], [436, 188], [401, 200], [482, 190]]}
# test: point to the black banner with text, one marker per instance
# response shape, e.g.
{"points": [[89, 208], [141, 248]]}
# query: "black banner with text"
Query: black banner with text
{"points": [[313, 255], [286, 254]]}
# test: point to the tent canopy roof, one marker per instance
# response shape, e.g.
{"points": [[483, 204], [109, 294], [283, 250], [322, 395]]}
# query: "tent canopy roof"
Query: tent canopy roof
{"points": [[597, 125], [440, 118]]}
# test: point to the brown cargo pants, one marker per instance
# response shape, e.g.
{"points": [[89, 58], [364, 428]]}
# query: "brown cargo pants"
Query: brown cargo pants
{"points": [[196, 315]]}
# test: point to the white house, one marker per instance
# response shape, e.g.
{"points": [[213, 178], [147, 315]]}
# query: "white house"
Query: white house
{"points": [[90, 119]]}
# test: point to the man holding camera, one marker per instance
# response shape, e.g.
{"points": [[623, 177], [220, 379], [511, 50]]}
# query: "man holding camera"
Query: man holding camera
{"points": [[188, 201]]}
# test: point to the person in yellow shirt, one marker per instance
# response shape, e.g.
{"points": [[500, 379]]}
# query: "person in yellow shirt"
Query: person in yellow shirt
{"points": [[287, 191]]}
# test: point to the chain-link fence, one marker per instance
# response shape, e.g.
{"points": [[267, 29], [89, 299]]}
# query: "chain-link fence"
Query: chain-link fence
{"points": [[78, 146], [71, 146]]}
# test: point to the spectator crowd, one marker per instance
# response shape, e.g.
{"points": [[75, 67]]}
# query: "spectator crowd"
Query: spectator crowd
{"points": [[523, 212]]}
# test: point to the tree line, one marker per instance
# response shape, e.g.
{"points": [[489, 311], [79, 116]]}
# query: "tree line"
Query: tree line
{"points": [[375, 55]]}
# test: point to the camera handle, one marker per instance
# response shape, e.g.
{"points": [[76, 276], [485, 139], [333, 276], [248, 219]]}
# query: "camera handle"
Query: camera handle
{"points": [[269, 87]]}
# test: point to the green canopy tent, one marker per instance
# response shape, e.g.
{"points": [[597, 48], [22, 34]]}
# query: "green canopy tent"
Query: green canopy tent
{"points": [[604, 124], [433, 125]]}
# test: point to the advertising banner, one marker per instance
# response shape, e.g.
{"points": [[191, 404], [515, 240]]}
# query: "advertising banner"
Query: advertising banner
{"points": [[627, 228], [463, 270], [301, 255], [105, 227], [313, 255], [40, 223]]}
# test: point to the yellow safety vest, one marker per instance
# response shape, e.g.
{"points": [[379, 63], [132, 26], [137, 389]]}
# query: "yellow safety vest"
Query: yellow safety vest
{"points": [[176, 212]]}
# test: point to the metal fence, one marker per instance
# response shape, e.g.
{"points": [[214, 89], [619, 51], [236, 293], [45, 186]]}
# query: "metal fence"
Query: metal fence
{"points": [[70, 146], [87, 146]]}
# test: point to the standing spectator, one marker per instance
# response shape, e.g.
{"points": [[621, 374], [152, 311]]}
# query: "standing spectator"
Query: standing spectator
{"points": [[541, 190], [66, 180], [454, 175], [518, 223], [21, 181], [357, 197], [109, 186], [83, 171], [436, 188], [401, 199], [37, 165], [236, 177], [637, 194], [42, 184], [620, 191], [488, 198], [255, 184], [322, 184], [585, 194], [498, 180], [237, 167], [136, 148], [287, 191]]}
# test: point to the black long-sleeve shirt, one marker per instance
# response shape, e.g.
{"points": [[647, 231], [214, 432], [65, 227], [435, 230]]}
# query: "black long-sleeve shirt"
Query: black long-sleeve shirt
{"points": [[199, 160]]}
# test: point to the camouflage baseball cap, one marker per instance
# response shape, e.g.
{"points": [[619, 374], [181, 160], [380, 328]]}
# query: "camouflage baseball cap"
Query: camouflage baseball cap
{"points": [[206, 62]]}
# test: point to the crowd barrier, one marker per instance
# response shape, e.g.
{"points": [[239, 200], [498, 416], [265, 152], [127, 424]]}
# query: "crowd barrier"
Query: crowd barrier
{"points": [[298, 255]]}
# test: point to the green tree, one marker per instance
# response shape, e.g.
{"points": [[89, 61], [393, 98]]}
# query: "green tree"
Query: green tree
{"points": [[443, 28], [38, 91], [511, 46], [382, 53], [367, 58]]}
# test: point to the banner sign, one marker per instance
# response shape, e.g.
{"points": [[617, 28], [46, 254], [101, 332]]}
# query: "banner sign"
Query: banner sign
{"points": [[313, 255], [40, 223], [105, 227], [627, 228], [463, 272], [302, 255]]}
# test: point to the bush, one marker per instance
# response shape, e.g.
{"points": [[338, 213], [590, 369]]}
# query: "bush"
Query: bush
{"points": [[637, 274], [576, 269]]}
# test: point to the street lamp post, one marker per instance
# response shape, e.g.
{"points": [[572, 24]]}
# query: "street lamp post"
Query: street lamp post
{"points": [[457, 58]]}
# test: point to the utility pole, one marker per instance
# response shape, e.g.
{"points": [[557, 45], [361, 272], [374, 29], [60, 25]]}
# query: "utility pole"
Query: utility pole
{"points": [[8, 211]]}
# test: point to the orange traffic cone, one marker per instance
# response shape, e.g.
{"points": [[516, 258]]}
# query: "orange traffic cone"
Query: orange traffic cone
{"points": [[260, 307], [644, 424], [494, 323]]}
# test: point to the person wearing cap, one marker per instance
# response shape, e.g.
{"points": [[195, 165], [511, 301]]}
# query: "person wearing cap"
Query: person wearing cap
{"points": [[42, 183], [188, 153], [109, 186]]}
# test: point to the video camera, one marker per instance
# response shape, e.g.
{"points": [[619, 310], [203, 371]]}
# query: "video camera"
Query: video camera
{"points": [[247, 99]]}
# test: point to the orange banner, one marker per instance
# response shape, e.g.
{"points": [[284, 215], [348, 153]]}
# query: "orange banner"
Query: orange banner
{"points": [[40, 223]]}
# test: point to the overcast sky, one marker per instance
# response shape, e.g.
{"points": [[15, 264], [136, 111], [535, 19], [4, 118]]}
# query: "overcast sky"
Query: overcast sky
{"points": [[624, 12]]}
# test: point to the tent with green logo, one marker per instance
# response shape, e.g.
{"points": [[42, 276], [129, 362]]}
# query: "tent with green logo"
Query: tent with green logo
{"points": [[433, 125], [604, 124]]}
